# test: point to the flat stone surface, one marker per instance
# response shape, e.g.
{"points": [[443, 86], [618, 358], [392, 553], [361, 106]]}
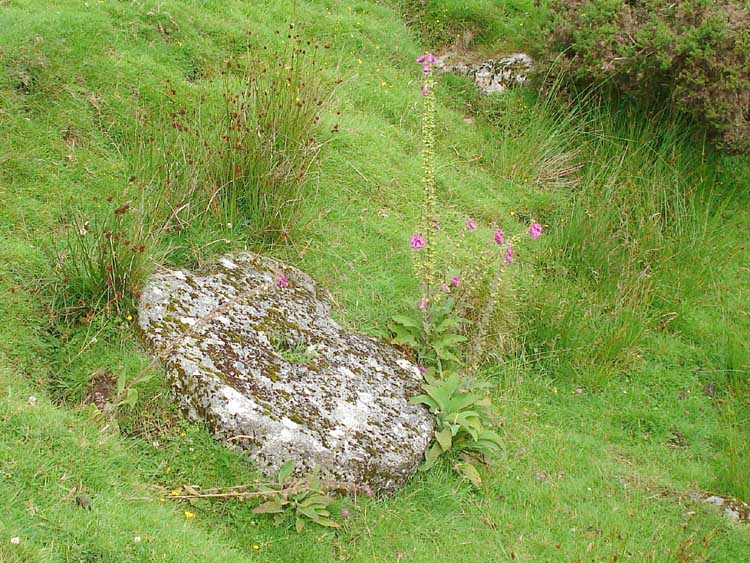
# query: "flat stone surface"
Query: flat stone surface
{"points": [[269, 370]]}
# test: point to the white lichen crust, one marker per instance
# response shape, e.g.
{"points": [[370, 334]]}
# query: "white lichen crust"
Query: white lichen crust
{"points": [[342, 406]]}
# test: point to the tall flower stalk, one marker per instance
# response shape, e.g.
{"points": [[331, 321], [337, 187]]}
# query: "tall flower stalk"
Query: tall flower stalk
{"points": [[434, 329], [429, 219]]}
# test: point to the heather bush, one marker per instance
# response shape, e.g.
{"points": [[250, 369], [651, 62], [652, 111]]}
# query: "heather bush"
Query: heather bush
{"points": [[694, 54]]}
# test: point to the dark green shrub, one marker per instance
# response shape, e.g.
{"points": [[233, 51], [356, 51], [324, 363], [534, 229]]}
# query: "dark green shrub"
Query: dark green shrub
{"points": [[692, 53]]}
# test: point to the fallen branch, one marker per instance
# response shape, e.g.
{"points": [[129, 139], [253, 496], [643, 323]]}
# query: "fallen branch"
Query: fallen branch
{"points": [[290, 489]]}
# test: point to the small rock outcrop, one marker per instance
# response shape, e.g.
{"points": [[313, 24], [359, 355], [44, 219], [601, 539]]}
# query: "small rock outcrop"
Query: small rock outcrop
{"points": [[249, 346], [490, 76]]}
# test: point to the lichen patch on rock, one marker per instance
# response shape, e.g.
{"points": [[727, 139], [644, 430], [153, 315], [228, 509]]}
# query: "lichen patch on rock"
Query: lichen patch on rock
{"points": [[325, 397]]}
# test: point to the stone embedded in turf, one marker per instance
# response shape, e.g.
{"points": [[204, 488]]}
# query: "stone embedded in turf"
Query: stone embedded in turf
{"points": [[270, 371], [491, 76]]}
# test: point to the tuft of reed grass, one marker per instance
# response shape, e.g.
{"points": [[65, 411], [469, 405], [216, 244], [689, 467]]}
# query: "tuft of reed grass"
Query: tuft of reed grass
{"points": [[268, 148], [105, 258]]}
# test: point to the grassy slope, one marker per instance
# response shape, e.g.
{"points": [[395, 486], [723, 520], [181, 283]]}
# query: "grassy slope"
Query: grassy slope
{"points": [[585, 476]]}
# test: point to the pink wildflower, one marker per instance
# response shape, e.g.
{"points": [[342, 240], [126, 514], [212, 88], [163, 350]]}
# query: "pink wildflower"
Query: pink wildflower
{"points": [[421, 369], [426, 69], [499, 236], [425, 90], [428, 58], [345, 513], [416, 241], [509, 254], [282, 281], [470, 224], [422, 304], [456, 281], [535, 230]]}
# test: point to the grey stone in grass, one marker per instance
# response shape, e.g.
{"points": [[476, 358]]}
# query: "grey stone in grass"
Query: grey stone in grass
{"points": [[493, 75], [270, 371]]}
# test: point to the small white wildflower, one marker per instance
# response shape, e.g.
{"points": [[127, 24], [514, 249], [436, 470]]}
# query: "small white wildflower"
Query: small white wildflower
{"points": [[137, 539], [15, 541], [32, 401]]}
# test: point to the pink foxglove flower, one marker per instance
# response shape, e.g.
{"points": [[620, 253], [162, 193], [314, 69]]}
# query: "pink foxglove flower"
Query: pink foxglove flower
{"points": [[426, 69], [426, 58], [422, 304], [509, 254], [535, 230], [470, 224], [282, 281], [456, 281], [499, 236], [416, 241]]}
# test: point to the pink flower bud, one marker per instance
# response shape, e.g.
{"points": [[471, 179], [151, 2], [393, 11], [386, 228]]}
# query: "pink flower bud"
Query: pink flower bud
{"points": [[416, 241], [499, 236], [535, 230], [282, 281], [470, 224]]}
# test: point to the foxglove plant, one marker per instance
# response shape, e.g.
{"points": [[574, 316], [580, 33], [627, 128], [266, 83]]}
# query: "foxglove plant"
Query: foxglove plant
{"points": [[462, 415], [433, 330]]}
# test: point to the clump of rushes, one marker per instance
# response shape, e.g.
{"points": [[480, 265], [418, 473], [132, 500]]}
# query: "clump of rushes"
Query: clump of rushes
{"points": [[268, 147], [104, 261]]}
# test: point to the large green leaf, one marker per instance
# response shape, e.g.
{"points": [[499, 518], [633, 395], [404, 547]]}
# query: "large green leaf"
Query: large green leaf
{"points": [[432, 455], [469, 471], [270, 507], [407, 321], [286, 471], [444, 438], [426, 400]]}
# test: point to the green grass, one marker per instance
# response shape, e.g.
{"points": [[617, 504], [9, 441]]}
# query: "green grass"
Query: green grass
{"points": [[632, 303]]}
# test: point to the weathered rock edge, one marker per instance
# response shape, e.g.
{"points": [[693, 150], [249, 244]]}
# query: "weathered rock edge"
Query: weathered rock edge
{"points": [[342, 405]]}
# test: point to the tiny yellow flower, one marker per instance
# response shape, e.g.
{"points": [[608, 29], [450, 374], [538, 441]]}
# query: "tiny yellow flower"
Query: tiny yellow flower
{"points": [[359, 61], [175, 492], [256, 546], [189, 514], [129, 317], [512, 213]]}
